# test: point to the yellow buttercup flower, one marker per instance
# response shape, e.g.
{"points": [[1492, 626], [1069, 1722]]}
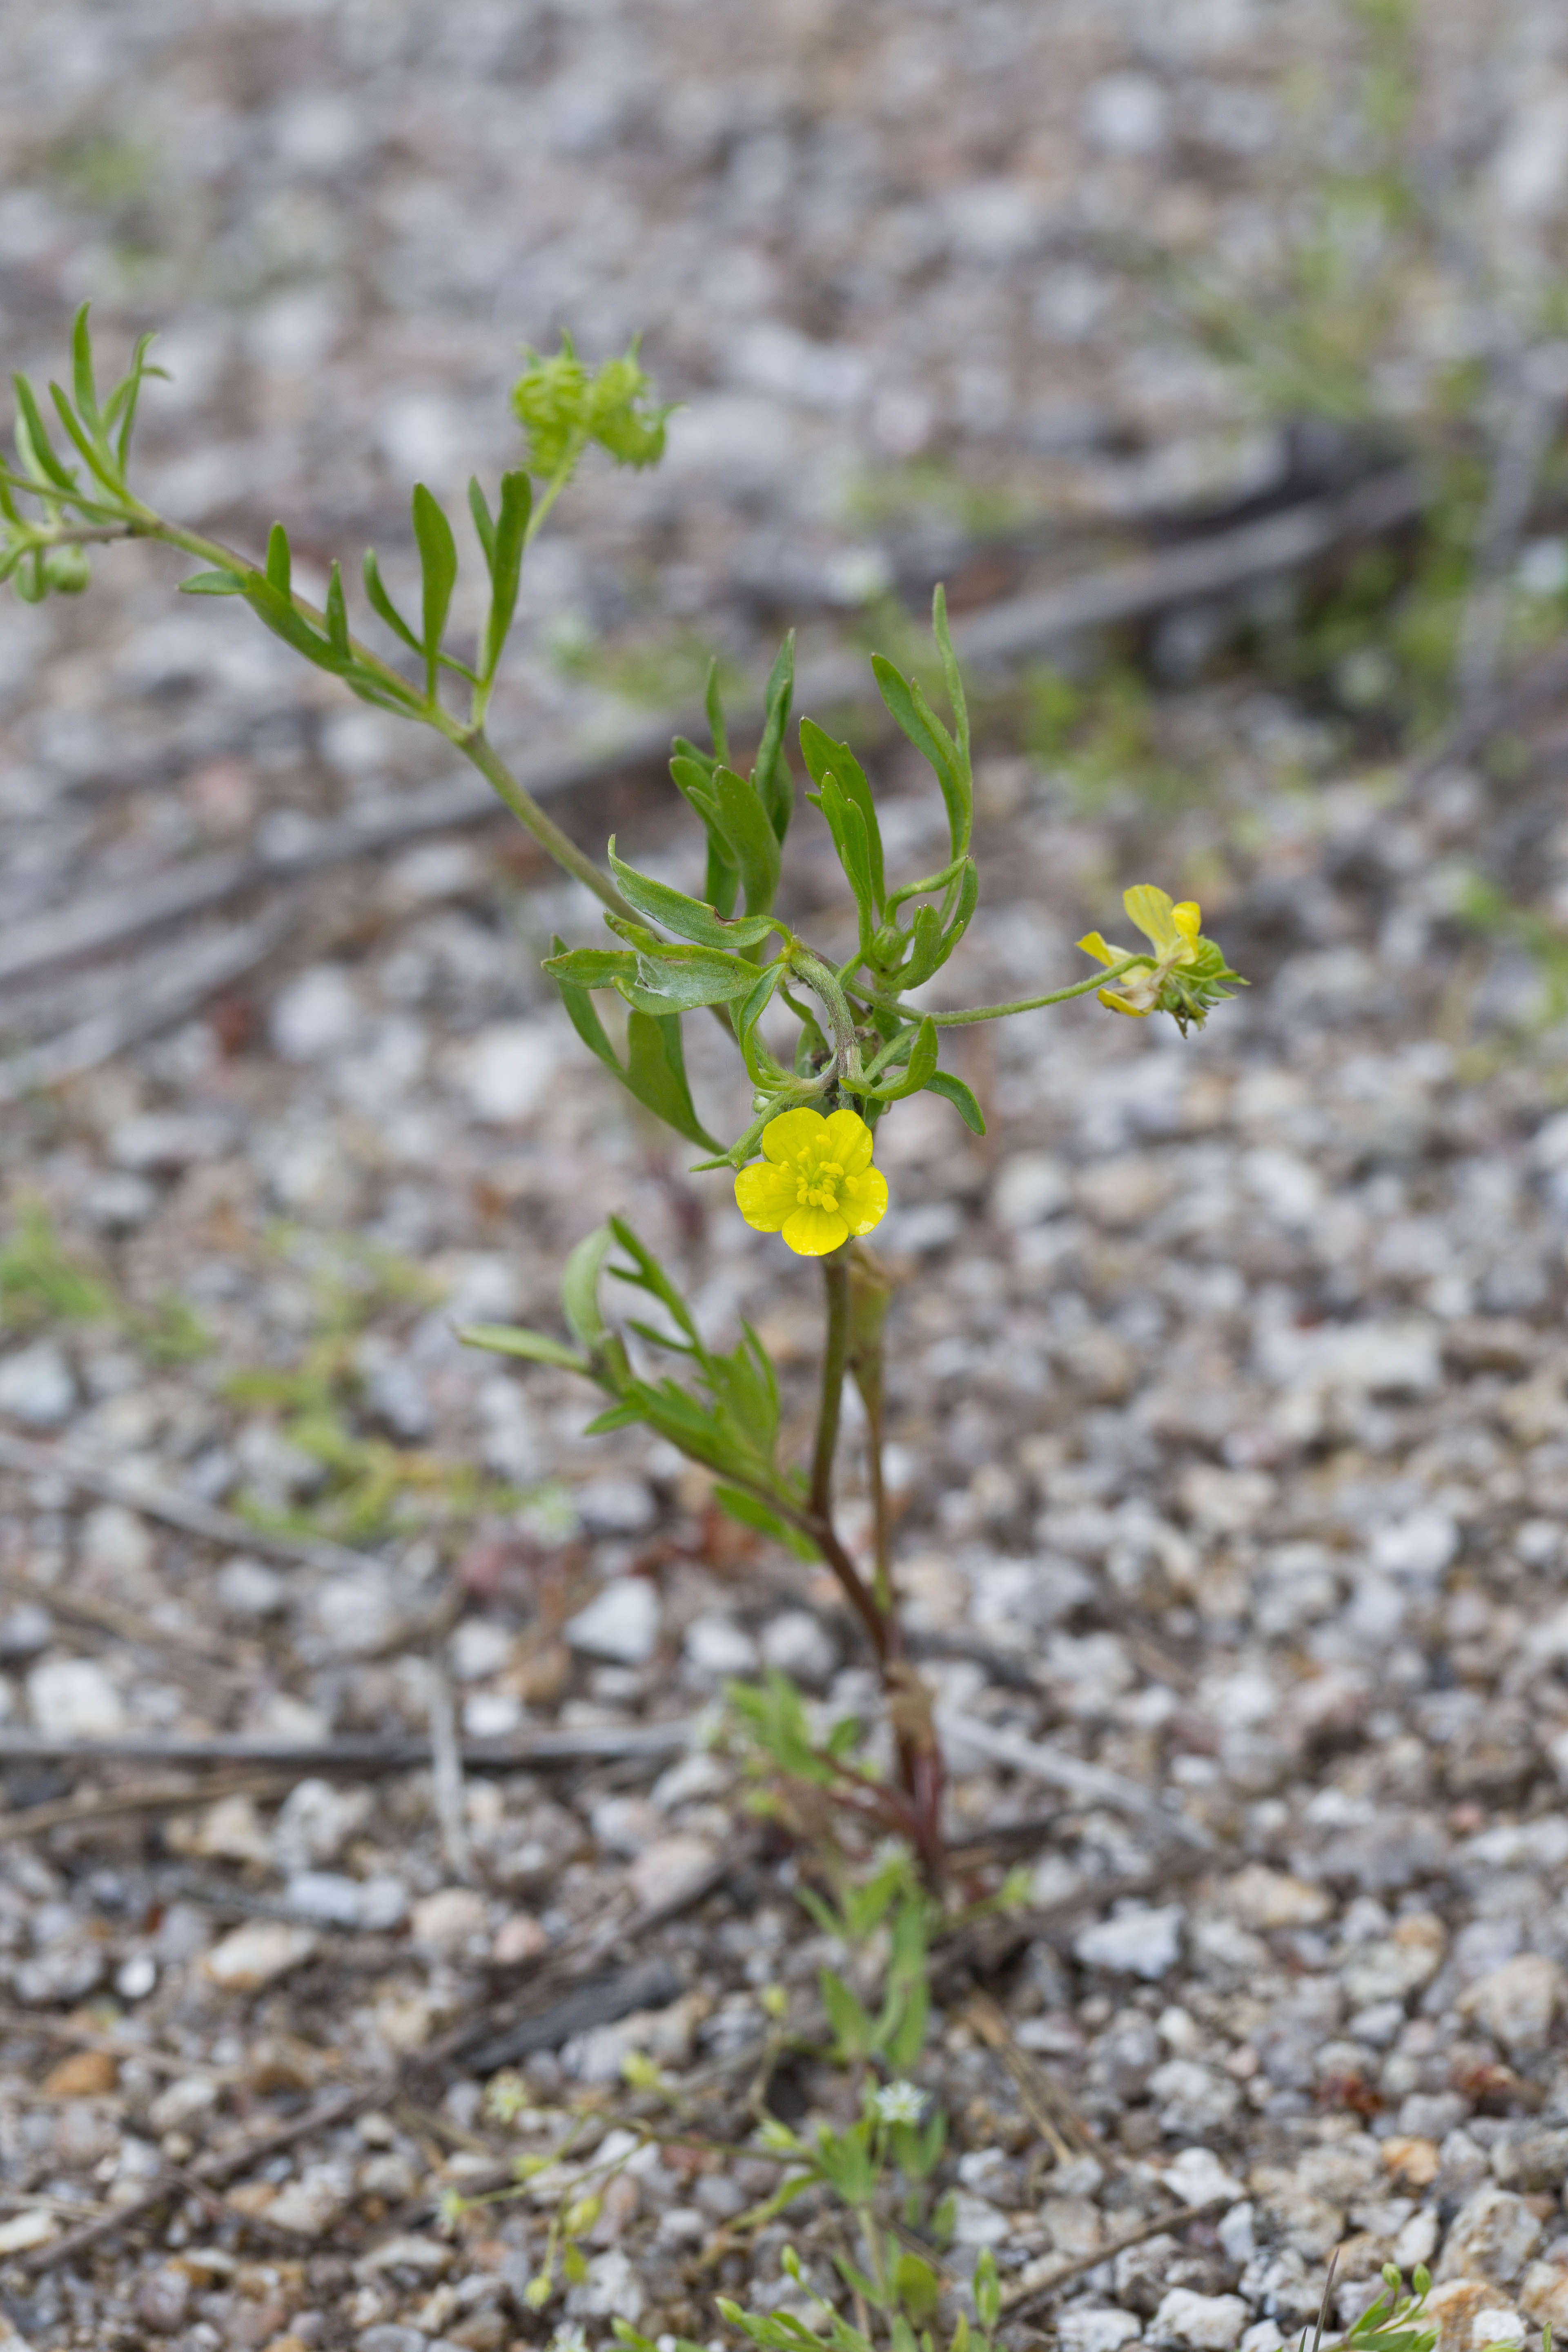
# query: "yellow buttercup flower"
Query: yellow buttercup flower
{"points": [[815, 1183], [1174, 932]]}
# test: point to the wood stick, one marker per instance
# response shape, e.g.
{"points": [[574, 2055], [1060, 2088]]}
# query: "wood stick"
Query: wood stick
{"points": [[177, 988], [1029, 2297], [45, 2027], [1044, 2102], [520, 1752], [136, 1796], [1070, 1772], [1133, 589]]}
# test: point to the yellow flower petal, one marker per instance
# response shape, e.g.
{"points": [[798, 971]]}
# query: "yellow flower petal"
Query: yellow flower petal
{"points": [[1150, 908], [865, 1198], [847, 1140], [765, 1196], [784, 1136], [1120, 1005], [1092, 944], [1188, 919], [812, 1233]]}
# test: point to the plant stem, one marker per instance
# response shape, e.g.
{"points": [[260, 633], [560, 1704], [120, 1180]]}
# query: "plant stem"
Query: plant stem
{"points": [[999, 1012], [473, 742], [834, 1357], [478, 749]]}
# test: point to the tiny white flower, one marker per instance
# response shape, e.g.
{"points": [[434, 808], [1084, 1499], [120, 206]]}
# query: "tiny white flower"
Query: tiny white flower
{"points": [[901, 2103]]}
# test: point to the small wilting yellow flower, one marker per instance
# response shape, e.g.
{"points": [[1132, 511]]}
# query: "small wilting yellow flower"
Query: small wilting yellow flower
{"points": [[1185, 975], [815, 1183]]}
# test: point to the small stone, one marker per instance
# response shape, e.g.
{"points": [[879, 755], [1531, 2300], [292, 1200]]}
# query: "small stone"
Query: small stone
{"points": [[1199, 2323], [1267, 1899], [1198, 2178], [1500, 2325], [717, 1647], [388, 2337], [180, 2105], [1192, 2100], [332, 1898], [411, 2252], [316, 1821], [1140, 1941], [1543, 2296], [85, 2074], [1093, 2327], [612, 2290], [506, 1070], [976, 2222], [257, 1954], [798, 1644], [670, 1871], [230, 1830], [1531, 2157], [620, 1623], [164, 2299], [1412, 2158], [37, 1386], [73, 1698], [1455, 2306], [316, 1014], [1518, 2002], [248, 1590], [450, 1920], [310, 2204], [517, 1940], [1492, 2236], [1030, 1186], [27, 2229], [117, 1542]]}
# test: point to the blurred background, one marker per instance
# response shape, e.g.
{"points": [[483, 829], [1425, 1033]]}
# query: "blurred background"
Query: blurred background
{"points": [[1227, 1390]]}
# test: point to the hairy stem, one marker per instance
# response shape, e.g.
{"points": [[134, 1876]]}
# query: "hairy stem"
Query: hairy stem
{"points": [[835, 1359], [473, 743], [1025, 1004], [478, 749]]}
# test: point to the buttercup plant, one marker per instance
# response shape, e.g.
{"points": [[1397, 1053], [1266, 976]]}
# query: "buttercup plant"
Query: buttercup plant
{"points": [[801, 1165]]}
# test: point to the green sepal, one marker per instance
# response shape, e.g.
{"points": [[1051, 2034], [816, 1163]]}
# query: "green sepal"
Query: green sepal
{"points": [[212, 583], [824, 757], [532, 1347], [749, 837], [591, 967], [655, 1067], [33, 441], [713, 703], [580, 1288], [753, 1512], [279, 563], [848, 826], [337, 614], [687, 917], [504, 556], [438, 575], [382, 605], [919, 1072], [694, 773], [656, 1074], [771, 778], [951, 672], [955, 1091], [848, 2017], [908, 705], [762, 1069], [679, 980], [925, 948]]}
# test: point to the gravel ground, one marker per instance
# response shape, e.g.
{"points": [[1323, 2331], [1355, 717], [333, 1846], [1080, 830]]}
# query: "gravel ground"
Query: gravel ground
{"points": [[1230, 1407]]}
